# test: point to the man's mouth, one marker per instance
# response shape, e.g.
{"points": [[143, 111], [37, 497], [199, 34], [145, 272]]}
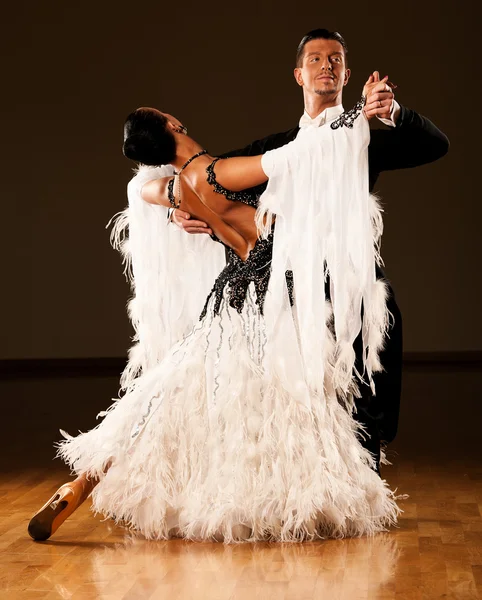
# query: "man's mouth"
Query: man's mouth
{"points": [[323, 77]]}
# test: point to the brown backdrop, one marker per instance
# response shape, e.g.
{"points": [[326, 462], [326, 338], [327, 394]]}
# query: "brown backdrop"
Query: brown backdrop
{"points": [[226, 71]]}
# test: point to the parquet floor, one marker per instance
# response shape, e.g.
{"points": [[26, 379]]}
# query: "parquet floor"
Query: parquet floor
{"points": [[436, 552]]}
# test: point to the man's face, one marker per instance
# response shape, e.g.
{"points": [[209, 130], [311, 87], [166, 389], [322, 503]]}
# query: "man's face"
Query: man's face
{"points": [[324, 69]]}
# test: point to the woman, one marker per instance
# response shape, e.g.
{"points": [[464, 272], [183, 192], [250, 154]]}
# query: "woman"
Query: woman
{"points": [[239, 426]]}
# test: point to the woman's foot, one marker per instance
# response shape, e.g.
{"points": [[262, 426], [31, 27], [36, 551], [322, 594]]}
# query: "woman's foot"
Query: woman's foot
{"points": [[62, 504]]}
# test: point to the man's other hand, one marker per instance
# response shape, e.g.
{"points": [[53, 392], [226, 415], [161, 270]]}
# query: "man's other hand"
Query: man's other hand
{"points": [[183, 220]]}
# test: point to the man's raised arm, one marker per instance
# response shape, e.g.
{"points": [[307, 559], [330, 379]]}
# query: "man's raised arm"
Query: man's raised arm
{"points": [[414, 141]]}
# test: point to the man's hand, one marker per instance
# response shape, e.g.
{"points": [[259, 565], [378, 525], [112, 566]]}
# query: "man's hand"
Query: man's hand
{"points": [[379, 95], [183, 220]]}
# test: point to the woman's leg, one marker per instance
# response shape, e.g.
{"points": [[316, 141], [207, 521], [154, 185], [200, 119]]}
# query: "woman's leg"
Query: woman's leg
{"points": [[61, 505]]}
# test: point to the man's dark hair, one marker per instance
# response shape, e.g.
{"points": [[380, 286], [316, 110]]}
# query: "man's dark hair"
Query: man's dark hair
{"points": [[318, 34], [147, 139]]}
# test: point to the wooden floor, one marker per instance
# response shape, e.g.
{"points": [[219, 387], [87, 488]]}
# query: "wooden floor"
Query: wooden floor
{"points": [[436, 552]]}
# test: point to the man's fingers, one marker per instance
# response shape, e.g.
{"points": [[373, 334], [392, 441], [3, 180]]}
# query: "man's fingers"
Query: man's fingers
{"points": [[382, 112], [183, 220], [191, 223], [377, 100], [386, 103], [381, 86], [380, 90], [181, 214], [183, 223], [198, 230], [378, 110], [379, 104], [376, 76], [380, 96]]}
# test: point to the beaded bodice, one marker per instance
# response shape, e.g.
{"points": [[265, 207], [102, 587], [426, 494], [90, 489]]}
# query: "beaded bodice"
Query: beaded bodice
{"points": [[237, 276], [246, 197]]}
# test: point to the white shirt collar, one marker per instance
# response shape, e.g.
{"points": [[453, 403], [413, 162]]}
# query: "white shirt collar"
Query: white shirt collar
{"points": [[329, 114]]}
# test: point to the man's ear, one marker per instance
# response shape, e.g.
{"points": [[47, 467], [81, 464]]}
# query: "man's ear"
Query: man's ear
{"points": [[298, 76], [347, 76]]}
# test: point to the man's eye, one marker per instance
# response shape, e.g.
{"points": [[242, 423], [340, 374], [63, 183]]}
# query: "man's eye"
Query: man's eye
{"points": [[314, 59]]}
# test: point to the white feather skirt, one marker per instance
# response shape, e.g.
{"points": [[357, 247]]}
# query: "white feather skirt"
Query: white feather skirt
{"points": [[211, 444]]}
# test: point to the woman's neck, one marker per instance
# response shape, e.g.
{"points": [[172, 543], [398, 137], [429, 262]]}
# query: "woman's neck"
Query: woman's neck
{"points": [[186, 148]]}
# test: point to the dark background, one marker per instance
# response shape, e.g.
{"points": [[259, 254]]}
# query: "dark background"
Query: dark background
{"points": [[73, 72]]}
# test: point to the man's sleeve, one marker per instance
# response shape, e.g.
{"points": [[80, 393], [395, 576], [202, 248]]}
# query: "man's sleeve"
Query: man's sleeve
{"points": [[261, 146], [253, 149], [413, 142]]}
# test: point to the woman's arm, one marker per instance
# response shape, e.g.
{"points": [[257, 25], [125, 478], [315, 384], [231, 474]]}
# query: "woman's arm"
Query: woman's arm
{"points": [[240, 173], [155, 191]]}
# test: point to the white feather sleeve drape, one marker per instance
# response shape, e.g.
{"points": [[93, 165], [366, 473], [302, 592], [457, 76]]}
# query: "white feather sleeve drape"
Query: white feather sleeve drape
{"points": [[318, 192], [171, 274]]}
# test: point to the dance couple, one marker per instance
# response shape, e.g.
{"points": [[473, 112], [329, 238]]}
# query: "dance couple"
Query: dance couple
{"points": [[266, 369]]}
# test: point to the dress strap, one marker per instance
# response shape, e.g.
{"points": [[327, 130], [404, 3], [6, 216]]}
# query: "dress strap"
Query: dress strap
{"points": [[170, 192], [170, 185], [244, 196], [189, 161]]}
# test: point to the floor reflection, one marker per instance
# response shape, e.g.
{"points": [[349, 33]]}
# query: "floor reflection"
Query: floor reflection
{"points": [[326, 567]]}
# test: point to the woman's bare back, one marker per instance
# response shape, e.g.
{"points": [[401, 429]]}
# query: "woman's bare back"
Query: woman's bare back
{"points": [[232, 222]]}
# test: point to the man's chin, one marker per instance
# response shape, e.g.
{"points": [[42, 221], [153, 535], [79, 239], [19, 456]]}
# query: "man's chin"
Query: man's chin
{"points": [[325, 91]]}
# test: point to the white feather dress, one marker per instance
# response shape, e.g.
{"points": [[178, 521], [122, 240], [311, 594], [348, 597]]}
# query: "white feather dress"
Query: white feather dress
{"points": [[239, 426]]}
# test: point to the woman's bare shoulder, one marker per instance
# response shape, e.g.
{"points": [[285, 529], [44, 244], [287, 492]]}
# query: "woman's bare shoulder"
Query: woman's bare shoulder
{"points": [[156, 191]]}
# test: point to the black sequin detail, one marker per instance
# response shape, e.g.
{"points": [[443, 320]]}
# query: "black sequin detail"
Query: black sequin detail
{"points": [[189, 161], [347, 118], [238, 274], [246, 197], [170, 192]]}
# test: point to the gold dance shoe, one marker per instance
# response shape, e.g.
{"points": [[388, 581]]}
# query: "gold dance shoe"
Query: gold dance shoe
{"points": [[62, 504]]}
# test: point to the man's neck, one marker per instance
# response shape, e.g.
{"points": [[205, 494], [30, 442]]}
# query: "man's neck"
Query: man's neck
{"points": [[315, 104]]}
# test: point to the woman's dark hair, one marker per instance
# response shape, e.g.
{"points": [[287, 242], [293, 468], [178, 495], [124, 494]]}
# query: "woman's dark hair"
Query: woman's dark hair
{"points": [[318, 34], [147, 138]]}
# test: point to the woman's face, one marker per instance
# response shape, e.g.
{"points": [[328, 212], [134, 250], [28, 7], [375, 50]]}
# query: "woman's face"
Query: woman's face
{"points": [[173, 120], [173, 123]]}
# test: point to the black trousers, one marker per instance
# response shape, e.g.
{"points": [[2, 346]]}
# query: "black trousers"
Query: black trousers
{"points": [[379, 413]]}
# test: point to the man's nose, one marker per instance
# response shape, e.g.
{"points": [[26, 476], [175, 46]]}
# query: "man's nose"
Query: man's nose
{"points": [[326, 65]]}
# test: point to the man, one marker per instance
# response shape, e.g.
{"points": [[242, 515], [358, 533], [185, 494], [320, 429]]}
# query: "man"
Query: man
{"points": [[409, 141]]}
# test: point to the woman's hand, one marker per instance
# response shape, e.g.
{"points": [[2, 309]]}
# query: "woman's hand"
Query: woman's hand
{"points": [[379, 97], [183, 220]]}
